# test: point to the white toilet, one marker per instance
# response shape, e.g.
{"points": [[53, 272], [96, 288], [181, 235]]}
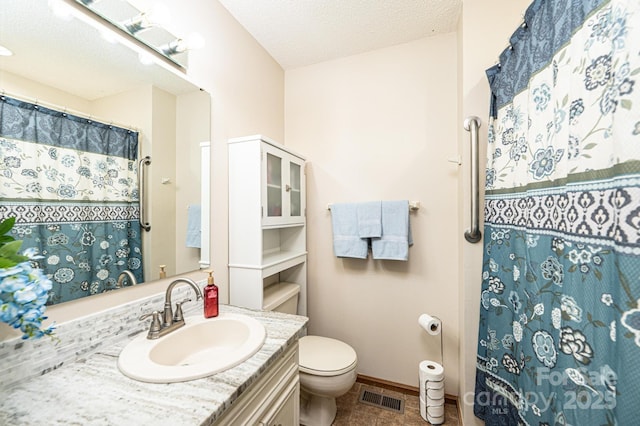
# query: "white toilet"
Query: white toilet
{"points": [[327, 366]]}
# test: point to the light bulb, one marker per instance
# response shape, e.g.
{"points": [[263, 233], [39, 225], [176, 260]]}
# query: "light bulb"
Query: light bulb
{"points": [[158, 15], [61, 9], [4, 51]]}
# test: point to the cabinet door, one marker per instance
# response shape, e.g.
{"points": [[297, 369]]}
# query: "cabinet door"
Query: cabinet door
{"points": [[286, 410], [283, 198], [295, 191]]}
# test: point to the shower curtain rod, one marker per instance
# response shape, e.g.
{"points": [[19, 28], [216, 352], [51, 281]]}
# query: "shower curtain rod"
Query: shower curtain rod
{"points": [[66, 110]]}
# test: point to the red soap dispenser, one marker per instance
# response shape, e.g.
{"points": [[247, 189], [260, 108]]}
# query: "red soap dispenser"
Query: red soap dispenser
{"points": [[210, 298]]}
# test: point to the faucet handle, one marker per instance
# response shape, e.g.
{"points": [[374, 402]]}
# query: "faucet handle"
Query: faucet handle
{"points": [[178, 316], [154, 330]]}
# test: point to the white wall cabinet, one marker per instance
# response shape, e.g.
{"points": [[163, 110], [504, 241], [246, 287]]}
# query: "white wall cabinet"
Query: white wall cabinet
{"points": [[282, 194], [267, 224]]}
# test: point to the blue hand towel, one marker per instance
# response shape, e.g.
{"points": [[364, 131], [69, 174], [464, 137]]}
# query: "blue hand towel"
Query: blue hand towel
{"points": [[396, 232], [193, 226], [346, 241], [369, 219]]}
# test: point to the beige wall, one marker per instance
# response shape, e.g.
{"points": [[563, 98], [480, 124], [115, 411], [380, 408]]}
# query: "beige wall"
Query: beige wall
{"points": [[22, 87], [382, 125], [193, 127], [247, 97], [484, 32]]}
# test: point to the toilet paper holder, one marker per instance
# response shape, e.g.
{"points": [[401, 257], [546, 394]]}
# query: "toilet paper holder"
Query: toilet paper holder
{"points": [[433, 325]]}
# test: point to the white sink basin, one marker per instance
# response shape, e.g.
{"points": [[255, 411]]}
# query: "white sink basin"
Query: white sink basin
{"points": [[201, 348]]}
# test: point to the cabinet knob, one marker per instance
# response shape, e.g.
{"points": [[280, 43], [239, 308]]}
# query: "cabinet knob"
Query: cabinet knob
{"points": [[287, 188]]}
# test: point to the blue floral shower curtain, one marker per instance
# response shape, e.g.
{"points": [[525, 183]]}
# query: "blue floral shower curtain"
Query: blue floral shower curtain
{"points": [[71, 184], [559, 337]]}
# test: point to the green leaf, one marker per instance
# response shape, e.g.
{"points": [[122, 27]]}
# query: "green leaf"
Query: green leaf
{"points": [[6, 225], [6, 263], [6, 239], [636, 71], [599, 324], [626, 104], [590, 146], [10, 249]]}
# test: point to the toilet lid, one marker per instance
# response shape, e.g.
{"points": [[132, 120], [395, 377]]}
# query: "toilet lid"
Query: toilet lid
{"points": [[323, 356]]}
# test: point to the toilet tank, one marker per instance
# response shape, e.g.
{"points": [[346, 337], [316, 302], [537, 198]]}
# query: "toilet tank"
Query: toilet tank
{"points": [[281, 297]]}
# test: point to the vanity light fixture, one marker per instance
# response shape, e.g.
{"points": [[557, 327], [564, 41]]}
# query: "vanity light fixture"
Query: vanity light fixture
{"points": [[179, 45], [158, 16], [121, 21]]}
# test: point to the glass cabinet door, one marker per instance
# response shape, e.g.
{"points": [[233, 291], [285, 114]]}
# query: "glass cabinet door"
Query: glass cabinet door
{"points": [[274, 186], [295, 196]]}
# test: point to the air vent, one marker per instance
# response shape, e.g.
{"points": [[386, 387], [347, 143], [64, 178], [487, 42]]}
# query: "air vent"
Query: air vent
{"points": [[386, 402]]}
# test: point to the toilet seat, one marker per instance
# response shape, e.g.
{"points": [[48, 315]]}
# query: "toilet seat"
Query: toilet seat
{"points": [[323, 356]]}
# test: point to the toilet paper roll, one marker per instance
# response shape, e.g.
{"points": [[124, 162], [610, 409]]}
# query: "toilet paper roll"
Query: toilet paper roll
{"points": [[435, 420], [437, 411], [434, 394], [431, 371], [423, 409], [435, 402], [431, 324], [435, 385]]}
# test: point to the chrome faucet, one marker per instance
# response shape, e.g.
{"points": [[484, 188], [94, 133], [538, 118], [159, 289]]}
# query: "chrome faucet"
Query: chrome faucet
{"points": [[126, 274], [170, 321]]}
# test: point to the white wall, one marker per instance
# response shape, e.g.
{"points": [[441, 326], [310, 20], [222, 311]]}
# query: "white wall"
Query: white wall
{"points": [[484, 31], [382, 125]]}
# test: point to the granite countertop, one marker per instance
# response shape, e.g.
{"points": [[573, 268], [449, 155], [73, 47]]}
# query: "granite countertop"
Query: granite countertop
{"points": [[92, 391]]}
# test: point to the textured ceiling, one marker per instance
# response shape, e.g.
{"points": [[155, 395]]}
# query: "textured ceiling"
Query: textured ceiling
{"points": [[304, 32]]}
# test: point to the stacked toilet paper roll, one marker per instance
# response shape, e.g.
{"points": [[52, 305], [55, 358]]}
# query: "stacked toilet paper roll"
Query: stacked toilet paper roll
{"points": [[432, 392]]}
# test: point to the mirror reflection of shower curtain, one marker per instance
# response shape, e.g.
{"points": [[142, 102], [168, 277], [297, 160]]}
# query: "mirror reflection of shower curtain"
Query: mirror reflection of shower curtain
{"points": [[71, 183], [559, 337]]}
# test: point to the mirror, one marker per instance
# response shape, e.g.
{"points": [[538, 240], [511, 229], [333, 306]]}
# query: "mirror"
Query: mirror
{"points": [[68, 64]]}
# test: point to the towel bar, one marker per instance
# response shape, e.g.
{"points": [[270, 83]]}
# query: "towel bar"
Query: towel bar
{"points": [[413, 205]]}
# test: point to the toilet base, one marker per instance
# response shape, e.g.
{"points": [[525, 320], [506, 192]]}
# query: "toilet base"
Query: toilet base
{"points": [[316, 410]]}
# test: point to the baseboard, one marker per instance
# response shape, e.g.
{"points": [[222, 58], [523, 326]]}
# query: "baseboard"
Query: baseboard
{"points": [[399, 387]]}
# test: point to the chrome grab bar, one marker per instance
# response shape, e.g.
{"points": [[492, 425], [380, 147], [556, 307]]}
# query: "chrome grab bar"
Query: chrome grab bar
{"points": [[473, 235], [141, 182]]}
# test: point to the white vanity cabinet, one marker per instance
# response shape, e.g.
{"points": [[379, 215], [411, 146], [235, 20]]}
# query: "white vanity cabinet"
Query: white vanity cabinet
{"points": [[274, 400], [267, 224]]}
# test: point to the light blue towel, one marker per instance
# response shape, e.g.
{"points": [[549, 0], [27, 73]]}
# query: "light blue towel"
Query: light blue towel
{"points": [[346, 241], [369, 219], [396, 232], [193, 226]]}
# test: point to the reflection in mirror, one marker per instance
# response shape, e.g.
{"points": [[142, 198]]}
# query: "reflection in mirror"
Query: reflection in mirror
{"points": [[66, 66]]}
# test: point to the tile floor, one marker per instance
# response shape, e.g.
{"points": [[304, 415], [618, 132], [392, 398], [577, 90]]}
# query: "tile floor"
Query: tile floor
{"points": [[353, 413]]}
